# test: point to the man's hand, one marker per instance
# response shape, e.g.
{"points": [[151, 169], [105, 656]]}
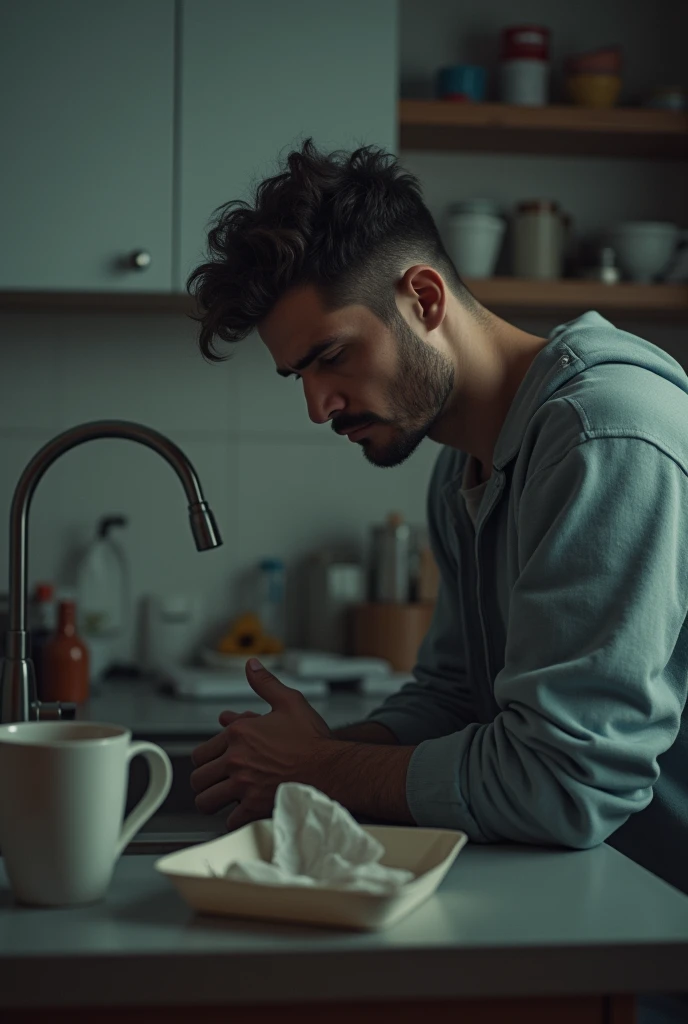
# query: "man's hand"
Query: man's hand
{"points": [[365, 732], [254, 753]]}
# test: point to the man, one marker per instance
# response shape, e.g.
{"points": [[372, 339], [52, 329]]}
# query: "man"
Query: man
{"points": [[548, 702]]}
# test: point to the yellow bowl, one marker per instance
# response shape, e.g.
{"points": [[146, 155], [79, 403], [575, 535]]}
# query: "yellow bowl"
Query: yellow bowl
{"points": [[594, 90]]}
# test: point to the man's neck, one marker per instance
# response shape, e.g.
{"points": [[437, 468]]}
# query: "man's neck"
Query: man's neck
{"points": [[491, 361]]}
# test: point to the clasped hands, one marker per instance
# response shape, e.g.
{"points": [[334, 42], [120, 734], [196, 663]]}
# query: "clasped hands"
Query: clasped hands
{"points": [[254, 753]]}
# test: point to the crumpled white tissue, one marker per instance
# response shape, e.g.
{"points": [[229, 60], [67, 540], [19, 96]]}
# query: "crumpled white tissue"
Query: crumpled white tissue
{"points": [[318, 843]]}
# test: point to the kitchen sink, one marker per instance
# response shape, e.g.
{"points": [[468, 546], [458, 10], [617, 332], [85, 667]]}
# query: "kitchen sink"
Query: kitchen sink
{"points": [[160, 843], [177, 823]]}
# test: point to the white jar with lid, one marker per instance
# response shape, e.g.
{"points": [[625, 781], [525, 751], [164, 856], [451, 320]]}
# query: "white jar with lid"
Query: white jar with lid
{"points": [[173, 621], [538, 240], [524, 82]]}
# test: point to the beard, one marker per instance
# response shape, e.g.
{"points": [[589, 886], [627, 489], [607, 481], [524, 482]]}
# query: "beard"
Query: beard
{"points": [[422, 384]]}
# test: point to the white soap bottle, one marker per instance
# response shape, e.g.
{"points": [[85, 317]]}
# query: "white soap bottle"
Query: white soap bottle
{"points": [[102, 593]]}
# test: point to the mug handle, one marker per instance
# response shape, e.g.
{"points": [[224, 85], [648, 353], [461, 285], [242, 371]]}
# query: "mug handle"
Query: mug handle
{"points": [[159, 786]]}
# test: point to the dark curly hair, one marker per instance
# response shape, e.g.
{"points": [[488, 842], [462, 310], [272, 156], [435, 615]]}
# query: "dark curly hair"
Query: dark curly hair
{"points": [[343, 222]]}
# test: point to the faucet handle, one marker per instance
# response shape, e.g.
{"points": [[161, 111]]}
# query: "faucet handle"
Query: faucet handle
{"points": [[54, 711]]}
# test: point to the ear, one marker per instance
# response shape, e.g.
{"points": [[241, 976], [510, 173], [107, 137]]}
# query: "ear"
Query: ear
{"points": [[423, 292]]}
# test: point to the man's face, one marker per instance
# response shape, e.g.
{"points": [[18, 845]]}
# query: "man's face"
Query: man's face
{"points": [[383, 387]]}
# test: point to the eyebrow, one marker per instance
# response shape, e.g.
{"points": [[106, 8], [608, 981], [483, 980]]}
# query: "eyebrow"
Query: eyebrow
{"points": [[313, 352]]}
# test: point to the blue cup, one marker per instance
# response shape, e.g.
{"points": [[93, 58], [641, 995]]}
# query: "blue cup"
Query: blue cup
{"points": [[462, 82]]}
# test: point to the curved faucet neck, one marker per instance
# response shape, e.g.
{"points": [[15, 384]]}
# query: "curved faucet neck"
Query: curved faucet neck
{"points": [[21, 502]]}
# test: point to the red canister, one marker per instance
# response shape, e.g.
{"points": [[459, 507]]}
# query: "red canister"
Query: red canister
{"points": [[525, 42]]}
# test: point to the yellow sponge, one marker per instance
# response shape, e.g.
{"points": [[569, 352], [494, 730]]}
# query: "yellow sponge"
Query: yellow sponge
{"points": [[246, 636]]}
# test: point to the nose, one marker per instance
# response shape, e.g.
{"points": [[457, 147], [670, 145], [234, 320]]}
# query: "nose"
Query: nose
{"points": [[321, 401]]}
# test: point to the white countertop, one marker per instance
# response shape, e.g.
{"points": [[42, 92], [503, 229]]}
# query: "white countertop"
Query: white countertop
{"points": [[506, 921]]}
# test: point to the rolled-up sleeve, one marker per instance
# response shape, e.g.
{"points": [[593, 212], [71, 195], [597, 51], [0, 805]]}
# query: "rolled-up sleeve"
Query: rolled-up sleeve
{"points": [[591, 692], [439, 699]]}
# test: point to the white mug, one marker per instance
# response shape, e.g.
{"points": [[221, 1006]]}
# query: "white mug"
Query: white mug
{"points": [[63, 788]]}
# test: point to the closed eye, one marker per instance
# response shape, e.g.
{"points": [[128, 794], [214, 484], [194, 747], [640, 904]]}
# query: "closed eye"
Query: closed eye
{"points": [[332, 361]]}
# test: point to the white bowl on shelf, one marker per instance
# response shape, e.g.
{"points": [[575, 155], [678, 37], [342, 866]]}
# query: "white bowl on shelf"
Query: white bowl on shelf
{"points": [[645, 249]]}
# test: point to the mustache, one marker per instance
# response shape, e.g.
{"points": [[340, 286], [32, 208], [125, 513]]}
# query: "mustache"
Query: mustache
{"points": [[348, 422]]}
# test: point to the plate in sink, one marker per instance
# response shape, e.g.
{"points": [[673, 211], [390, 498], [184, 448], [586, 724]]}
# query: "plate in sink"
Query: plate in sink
{"points": [[197, 875]]}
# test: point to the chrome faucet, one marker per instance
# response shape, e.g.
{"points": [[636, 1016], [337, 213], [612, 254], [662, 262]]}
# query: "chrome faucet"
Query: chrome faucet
{"points": [[18, 699]]}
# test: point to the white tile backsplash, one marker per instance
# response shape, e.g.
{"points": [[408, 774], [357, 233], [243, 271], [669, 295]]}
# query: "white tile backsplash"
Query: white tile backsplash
{"points": [[143, 368], [277, 483], [295, 495]]}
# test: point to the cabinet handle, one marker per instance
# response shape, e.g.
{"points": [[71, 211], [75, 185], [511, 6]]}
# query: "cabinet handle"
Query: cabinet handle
{"points": [[140, 259]]}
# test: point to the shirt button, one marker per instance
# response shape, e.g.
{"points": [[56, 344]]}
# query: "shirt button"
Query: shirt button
{"points": [[565, 360]]}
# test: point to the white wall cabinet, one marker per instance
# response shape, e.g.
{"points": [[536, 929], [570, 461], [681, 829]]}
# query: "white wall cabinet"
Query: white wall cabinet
{"points": [[86, 117], [125, 125]]}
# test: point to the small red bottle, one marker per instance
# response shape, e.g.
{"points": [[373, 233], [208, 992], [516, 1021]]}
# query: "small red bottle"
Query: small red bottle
{"points": [[65, 660]]}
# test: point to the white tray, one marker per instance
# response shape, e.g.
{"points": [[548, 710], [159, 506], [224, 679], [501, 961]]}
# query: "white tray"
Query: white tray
{"points": [[428, 852]]}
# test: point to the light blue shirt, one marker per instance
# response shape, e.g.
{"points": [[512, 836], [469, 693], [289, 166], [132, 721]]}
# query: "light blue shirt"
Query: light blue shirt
{"points": [[547, 705]]}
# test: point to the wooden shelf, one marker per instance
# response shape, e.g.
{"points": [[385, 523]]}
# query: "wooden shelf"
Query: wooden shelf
{"points": [[640, 301], [580, 131], [94, 302]]}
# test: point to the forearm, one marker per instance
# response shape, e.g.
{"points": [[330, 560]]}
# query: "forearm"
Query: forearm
{"points": [[365, 732], [367, 778]]}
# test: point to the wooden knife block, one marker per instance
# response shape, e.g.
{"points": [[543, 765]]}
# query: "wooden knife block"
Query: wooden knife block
{"points": [[390, 631]]}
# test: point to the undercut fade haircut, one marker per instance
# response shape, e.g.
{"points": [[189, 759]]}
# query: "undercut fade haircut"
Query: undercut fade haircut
{"points": [[344, 222]]}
